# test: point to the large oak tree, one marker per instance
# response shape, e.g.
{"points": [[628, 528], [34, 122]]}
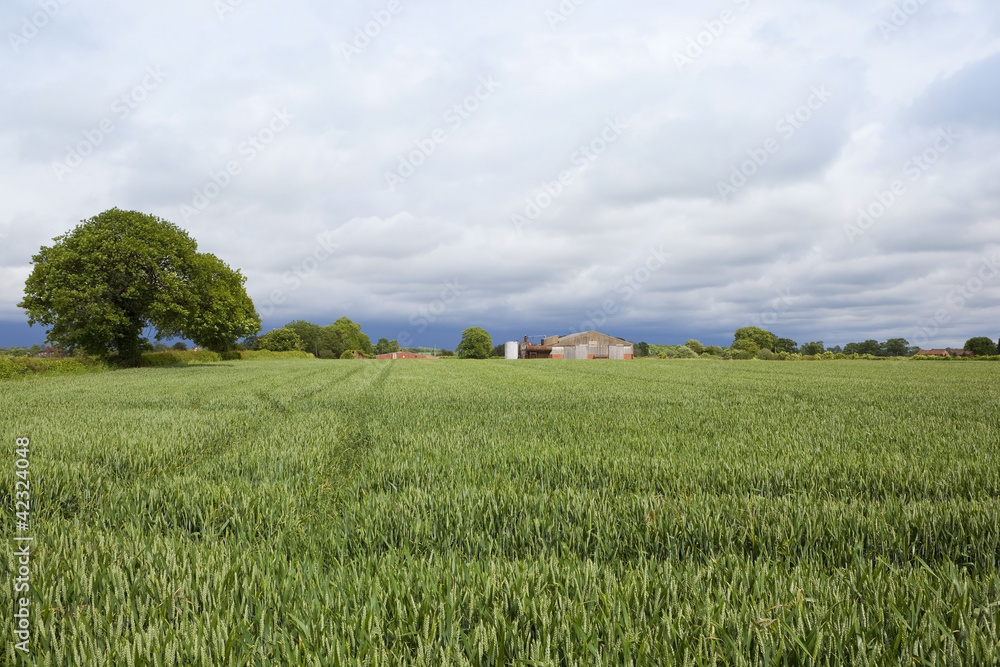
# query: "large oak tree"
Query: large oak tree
{"points": [[100, 286]]}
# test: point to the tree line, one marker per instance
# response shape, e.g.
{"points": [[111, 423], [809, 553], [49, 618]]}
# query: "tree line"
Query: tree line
{"points": [[758, 343]]}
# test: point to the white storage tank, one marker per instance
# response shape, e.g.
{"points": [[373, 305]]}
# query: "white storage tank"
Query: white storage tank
{"points": [[510, 349]]}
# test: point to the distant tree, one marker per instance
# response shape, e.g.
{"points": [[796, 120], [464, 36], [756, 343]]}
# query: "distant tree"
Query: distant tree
{"points": [[476, 344], [813, 348], [760, 338], [353, 338], [180, 346], [981, 346], [872, 347], [695, 345], [308, 333], [385, 346], [747, 345], [499, 351], [332, 341], [160, 347], [280, 340], [641, 349], [895, 347], [786, 345], [713, 350], [121, 272]]}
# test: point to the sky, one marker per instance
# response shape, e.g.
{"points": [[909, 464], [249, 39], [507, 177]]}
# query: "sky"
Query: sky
{"points": [[654, 170]]}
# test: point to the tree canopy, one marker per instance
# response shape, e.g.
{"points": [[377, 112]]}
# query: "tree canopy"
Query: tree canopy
{"points": [[280, 340], [476, 344], [981, 346], [101, 285], [753, 339]]}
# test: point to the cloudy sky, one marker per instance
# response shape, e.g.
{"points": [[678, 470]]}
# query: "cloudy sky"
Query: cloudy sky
{"points": [[655, 170]]}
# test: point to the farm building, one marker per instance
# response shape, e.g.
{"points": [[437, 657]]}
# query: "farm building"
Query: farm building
{"points": [[404, 355], [946, 352], [583, 345]]}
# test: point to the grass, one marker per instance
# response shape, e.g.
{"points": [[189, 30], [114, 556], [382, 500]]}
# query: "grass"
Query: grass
{"points": [[298, 512]]}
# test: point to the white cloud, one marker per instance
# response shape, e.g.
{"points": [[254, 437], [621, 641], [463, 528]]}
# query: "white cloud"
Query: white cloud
{"points": [[656, 186]]}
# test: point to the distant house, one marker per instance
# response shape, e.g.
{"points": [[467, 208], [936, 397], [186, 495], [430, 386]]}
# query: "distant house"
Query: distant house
{"points": [[403, 355], [49, 352], [946, 352]]}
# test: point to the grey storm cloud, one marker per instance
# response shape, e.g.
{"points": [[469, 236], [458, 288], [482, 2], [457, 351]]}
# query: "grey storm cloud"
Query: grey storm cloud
{"points": [[782, 160]]}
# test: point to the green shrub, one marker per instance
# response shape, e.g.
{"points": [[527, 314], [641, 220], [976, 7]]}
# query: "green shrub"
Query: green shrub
{"points": [[267, 355], [160, 359], [9, 369], [12, 368], [231, 355]]}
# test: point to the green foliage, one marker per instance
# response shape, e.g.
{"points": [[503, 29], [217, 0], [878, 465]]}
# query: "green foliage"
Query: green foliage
{"points": [[386, 346], [713, 350], [787, 345], [100, 285], [753, 339], [695, 345], [870, 347], [350, 335], [476, 344], [305, 513], [895, 347], [813, 348], [749, 347], [180, 346], [309, 335], [981, 346], [219, 312], [267, 355], [765, 354], [179, 358], [641, 350], [676, 352], [280, 340]]}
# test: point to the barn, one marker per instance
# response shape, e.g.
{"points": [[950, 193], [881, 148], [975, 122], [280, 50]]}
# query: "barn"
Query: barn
{"points": [[403, 355], [583, 345]]}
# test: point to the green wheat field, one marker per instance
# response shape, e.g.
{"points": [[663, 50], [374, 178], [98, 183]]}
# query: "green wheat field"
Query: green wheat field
{"points": [[510, 513]]}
